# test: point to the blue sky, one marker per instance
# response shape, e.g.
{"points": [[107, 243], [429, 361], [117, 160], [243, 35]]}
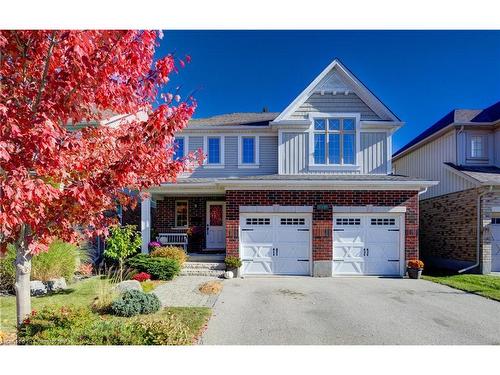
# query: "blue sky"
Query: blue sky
{"points": [[419, 75]]}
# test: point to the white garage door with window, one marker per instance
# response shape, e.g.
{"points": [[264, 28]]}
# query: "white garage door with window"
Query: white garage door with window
{"points": [[275, 244], [368, 244]]}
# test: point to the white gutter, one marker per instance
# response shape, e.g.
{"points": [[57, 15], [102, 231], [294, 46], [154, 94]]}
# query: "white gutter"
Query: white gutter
{"points": [[479, 227]]}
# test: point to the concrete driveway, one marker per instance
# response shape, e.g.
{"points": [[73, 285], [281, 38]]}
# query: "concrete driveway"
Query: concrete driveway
{"points": [[306, 310]]}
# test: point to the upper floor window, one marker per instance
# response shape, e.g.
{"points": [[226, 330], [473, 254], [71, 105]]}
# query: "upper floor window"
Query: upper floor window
{"points": [[477, 146], [248, 151], [179, 148], [334, 141], [214, 147]]}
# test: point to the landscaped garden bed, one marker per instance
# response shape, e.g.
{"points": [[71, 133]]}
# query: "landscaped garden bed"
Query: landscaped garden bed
{"points": [[67, 319]]}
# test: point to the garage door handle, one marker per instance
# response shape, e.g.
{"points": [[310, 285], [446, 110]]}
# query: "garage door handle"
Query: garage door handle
{"points": [[393, 230], [247, 230], [393, 260], [338, 230], [302, 260], [303, 230]]}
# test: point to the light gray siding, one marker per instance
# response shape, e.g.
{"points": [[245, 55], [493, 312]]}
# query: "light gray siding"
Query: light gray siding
{"points": [[268, 155], [338, 103], [428, 162], [374, 153], [295, 154]]}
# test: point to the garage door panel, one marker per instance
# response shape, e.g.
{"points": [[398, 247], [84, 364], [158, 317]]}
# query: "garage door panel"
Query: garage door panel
{"points": [[343, 251], [293, 250], [256, 251], [257, 235], [260, 267], [348, 267]]}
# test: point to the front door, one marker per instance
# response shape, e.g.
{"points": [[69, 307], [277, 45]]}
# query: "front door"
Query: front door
{"points": [[216, 225]]}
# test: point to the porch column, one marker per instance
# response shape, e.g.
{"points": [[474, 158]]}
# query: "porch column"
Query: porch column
{"points": [[145, 224]]}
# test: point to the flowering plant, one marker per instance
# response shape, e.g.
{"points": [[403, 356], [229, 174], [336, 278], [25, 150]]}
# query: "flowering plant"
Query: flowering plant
{"points": [[142, 276], [85, 269], [154, 244], [415, 264]]}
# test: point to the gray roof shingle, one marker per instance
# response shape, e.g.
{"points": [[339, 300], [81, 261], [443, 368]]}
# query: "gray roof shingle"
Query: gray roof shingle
{"points": [[241, 118], [483, 174]]}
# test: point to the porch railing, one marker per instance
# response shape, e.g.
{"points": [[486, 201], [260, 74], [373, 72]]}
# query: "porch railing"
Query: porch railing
{"points": [[177, 239]]}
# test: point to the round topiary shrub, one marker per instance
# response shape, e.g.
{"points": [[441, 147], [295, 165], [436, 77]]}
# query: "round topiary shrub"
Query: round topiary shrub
{"points": [[135, 302]]}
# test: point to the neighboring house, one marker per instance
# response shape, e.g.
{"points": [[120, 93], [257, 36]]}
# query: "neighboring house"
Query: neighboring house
{"points": [[459, 217], [307, 191]]}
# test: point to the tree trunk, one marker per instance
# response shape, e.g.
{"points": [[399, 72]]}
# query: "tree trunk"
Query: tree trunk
{"points": [[22, 285]]}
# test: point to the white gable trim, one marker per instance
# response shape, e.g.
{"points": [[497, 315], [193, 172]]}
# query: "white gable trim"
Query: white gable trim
{"points": [[361, 90]]}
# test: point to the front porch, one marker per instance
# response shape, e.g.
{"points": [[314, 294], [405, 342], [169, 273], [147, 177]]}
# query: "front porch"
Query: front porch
{"points": [[202, 219]]}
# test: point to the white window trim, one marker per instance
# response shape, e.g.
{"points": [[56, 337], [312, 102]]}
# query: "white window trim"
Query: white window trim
{"points": [[332, 167], [256, 164], [205, 151], [187, 213], [186, 144]]}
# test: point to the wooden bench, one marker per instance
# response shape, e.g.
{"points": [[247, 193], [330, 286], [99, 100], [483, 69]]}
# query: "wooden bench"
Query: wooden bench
{"points": [[173, 239]]}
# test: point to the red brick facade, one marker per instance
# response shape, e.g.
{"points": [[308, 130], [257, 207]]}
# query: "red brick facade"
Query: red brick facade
{"points": [[322, 219], [163, 218]]}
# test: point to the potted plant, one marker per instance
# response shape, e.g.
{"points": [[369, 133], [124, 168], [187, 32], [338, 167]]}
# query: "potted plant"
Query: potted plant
{"points": [[233, 264], [415, 268]]}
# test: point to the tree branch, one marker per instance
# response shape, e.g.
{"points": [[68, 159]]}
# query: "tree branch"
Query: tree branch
{"points": [[44, 74]]}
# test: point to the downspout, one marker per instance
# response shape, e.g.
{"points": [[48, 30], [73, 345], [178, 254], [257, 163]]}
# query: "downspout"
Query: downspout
{"points": [[479, 231]]}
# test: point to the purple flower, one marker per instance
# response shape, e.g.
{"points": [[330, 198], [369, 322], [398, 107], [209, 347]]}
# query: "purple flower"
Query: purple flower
{"points": [[154, 244]]}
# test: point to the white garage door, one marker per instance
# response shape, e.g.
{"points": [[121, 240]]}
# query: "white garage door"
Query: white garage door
{"points": [[367, 244], [495, 244], [276, 244]]}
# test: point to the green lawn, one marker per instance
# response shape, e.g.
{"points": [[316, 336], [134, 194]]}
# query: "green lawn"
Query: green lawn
{"points": [[83, 293], [484, 285]]}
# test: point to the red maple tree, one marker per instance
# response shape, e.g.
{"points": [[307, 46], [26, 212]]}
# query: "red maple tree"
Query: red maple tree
{"points": [[58, 181]]}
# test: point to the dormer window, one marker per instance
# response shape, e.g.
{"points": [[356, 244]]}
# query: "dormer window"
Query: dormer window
{"points": [[334, 141], [477, 147]]}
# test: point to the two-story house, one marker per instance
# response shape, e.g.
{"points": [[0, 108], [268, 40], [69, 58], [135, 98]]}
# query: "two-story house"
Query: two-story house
{"points": [[307, 191], [459, 217]]}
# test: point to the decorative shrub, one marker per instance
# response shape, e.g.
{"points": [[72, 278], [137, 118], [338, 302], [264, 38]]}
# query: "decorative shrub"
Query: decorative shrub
{"points": [[59, 261], [135, 302], [416, 264], [158, 267], [232, 262], [142, 276], [172, 252]]}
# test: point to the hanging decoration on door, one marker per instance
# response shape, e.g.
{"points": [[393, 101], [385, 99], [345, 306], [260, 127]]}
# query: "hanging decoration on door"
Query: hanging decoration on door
{"points": [[216, 215]]}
